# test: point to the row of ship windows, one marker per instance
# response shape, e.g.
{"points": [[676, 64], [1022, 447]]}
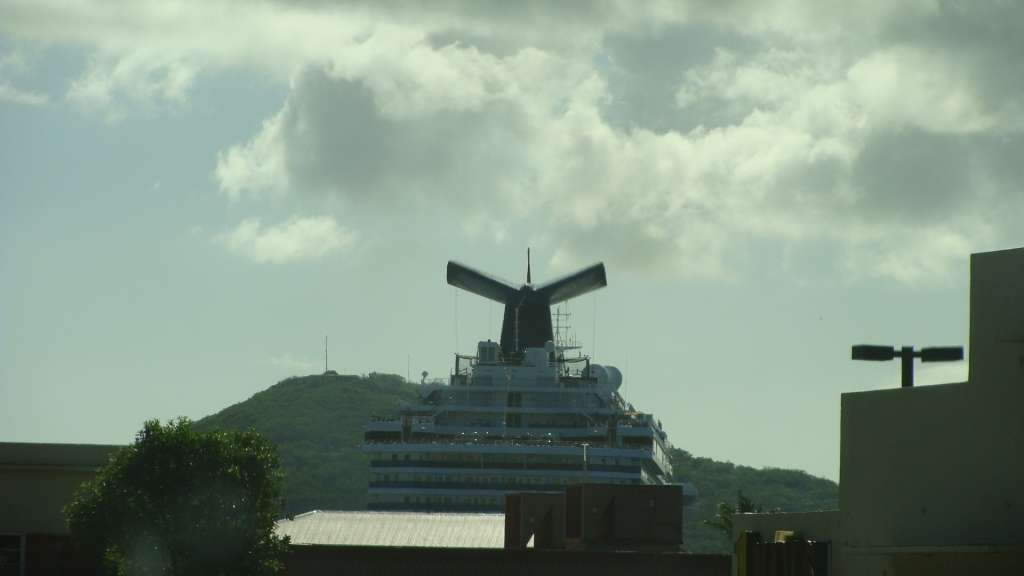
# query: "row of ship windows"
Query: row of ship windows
{"points": [[506, 459], [494, 479]]}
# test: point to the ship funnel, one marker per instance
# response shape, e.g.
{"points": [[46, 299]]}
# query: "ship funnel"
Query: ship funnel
{"points": [[527, 321]]}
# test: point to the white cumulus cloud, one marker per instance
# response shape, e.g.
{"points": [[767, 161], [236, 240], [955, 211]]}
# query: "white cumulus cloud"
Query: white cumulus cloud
{"points": [[115, 85], [15, 62], [296, 239], [682, 136]]}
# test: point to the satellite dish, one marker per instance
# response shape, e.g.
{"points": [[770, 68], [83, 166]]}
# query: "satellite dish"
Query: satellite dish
{"points": [[614, 377], [599, 373]]}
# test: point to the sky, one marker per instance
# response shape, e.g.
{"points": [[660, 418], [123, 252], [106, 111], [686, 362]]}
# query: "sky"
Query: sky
{"points": [[195, 194]]}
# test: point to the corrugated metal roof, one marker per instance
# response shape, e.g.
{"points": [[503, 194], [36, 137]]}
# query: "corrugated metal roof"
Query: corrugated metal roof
{"points": [[434, 530]]}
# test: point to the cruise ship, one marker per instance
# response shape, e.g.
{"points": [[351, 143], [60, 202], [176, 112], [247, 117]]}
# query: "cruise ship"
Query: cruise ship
{"points": [[530, 413]]}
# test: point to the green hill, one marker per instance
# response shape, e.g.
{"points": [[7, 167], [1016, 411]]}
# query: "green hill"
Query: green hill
{"points": [[316, 422], [788, 490]]}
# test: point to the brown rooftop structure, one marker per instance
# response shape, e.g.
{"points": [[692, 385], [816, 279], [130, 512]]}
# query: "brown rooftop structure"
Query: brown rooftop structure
{"points": [[590, 530]]}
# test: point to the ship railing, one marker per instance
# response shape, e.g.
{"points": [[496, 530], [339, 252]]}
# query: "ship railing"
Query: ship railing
{"points": [[500, 442], [545, 425], [468, 380], [634, 424]]}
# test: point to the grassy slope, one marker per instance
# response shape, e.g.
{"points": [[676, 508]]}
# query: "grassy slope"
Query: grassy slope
{"points": [[316, 422]]}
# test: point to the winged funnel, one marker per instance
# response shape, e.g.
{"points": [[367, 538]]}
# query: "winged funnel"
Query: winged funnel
{"points": [[527, 321]]}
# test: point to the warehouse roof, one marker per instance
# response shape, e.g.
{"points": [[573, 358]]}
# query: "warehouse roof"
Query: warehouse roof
{"points": [[396, 529]]}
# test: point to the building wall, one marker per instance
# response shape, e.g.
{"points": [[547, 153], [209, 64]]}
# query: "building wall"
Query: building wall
{"points": [[38, 480], [941, 465], [936, 466], [31, 500], [997, 319], [930, 476]]}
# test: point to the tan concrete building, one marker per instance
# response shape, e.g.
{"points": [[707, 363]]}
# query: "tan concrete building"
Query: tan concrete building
{"points": [[36, 482], [932, 478]]}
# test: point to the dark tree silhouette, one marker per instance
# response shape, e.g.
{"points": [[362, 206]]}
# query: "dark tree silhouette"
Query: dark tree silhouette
{"points": [[178, 501]]}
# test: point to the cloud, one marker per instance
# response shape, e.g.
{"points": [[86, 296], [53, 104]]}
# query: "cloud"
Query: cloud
{"points": [[257, 166], [288, 362], [880, 150], [16, 61], [116, 85], [680, 136], [12, 94], [294, 240]]}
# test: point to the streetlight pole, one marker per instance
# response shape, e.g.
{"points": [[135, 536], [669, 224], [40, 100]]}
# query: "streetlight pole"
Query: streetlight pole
{"points": [[907, 361], [907, 355]]}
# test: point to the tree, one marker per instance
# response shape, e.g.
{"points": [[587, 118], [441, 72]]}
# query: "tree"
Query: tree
{"points": [[723, 518], [178, 501]]}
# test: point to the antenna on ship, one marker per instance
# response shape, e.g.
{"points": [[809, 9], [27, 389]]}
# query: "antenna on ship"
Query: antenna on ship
{"points": [[528, 281]]}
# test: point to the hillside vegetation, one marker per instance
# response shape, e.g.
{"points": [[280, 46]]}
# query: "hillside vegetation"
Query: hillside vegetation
{"points": [[316, 422], [787, 490]]}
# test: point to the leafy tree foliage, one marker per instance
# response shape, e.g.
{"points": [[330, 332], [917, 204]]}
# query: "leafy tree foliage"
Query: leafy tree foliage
{"points": [[723, 518], [181, 502], [317, 423]]}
